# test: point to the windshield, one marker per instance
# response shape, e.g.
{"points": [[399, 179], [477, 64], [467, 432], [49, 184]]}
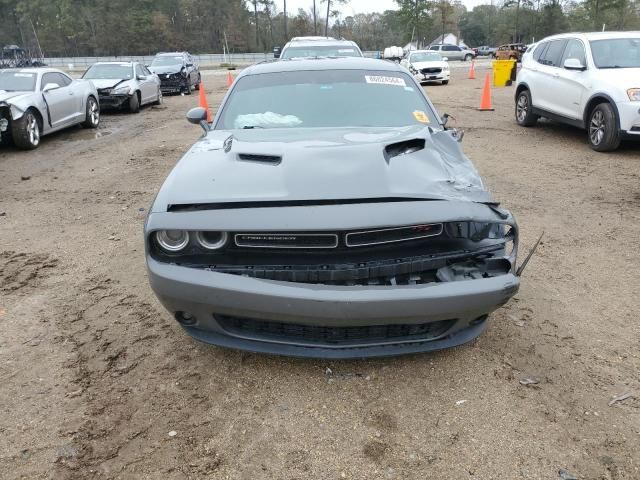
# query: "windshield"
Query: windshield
{"points": [[321, 51], [16, 81], [329, 98], [425, 57], [166, 61], [616, 53], [109, 72]]}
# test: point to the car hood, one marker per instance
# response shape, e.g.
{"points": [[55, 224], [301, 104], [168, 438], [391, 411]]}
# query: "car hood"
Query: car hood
{"points": [[320, 164], [623, 77], [166, 69], [435, 64], [109, 83], [5, 97]]}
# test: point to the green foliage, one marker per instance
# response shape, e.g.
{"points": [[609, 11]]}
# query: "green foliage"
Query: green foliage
{"points": [[131, 27]]}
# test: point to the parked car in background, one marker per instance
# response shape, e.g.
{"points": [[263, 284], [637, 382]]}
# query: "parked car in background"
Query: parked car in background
{"points": [[178, 72], [453, 52], [124, 84], [485, 51], [328, 212], [306, 47], [511, 51], [38, 101], [427, 66], [589, 80]]}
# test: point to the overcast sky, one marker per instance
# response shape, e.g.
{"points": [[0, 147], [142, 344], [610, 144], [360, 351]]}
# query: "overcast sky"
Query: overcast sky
{"points": [[358, 6]]}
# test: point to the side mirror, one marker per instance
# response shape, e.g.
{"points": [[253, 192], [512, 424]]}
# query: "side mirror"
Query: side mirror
{"points": [[189, 65], [574, 64], [142, 78], [276, 52], [445, 59], [198, 116], [445, 119], [50, 86]]}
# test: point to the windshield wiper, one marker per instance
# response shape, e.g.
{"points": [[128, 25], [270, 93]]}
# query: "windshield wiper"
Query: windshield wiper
{"points": [[251, 127], [613, 66]]}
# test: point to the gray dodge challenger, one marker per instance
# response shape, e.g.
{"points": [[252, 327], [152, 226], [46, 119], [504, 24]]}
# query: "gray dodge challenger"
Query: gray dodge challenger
{"points": [[327, 211]]}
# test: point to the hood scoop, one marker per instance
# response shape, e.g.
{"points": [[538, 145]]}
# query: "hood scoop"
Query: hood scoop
{"points": [[402, 148], [253, 157]]}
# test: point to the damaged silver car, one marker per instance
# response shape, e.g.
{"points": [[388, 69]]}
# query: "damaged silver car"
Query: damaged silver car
{"points": [[328, 212], [38, 101]]}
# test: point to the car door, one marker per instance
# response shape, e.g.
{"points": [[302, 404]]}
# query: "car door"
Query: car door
{"points": [[77, 95], [548, 79], [155, 81], [147, 90], [452, 52], [60, 101], [572, 85]]}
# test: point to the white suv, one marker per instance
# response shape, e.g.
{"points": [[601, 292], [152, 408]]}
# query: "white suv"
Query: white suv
{"points": [[590, 80]]}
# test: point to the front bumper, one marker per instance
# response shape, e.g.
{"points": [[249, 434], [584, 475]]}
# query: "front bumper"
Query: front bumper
{"points": [[206, 294], [172, 84], [432, 77], [629, 118], [113, 100]]}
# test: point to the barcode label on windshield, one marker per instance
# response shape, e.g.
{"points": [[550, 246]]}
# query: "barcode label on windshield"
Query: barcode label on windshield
{"points": [[380, 80]]}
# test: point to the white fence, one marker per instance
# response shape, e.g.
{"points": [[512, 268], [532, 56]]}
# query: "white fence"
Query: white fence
{"points": [[207, 59]]}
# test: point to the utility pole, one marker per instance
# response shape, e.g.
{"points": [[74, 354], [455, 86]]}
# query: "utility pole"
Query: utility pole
{"points": [[286, 37], [315, 23]]}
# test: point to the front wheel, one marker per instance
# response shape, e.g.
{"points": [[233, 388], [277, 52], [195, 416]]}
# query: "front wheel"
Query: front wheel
{"points": [[134, 103], [524, 110], [197, 87], [92, 116], [604, 134], [468, 57], [445, 82], [188, 87], [26, 131]]}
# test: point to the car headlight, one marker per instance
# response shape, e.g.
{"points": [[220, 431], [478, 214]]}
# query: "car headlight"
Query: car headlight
{"points": [[634, 94], [121, 90], [212, 240], [172, 240]]}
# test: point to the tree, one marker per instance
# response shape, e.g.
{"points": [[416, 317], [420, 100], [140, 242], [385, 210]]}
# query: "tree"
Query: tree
{"points": [[416, 16], [326, 24]]}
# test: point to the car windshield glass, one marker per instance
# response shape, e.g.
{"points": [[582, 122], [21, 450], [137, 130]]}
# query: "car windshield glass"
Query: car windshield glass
{"points": [[321, 51], [165, 61], [12, 81], [616, 53], [109, 72], [329, 98], [425, 57]]}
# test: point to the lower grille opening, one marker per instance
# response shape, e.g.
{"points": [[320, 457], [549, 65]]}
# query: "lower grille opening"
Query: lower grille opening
{"points": [[265, 330]]}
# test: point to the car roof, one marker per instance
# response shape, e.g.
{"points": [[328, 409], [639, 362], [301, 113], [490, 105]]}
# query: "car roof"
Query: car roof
{"points": [[595, 35], [422, 51], [127, 63], [33, 70], [320, 41], [322, 63], [170, 53]]}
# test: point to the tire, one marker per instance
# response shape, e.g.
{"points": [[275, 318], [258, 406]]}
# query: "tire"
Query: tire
{"points": [[92, 114], [160, 98], [468, 57], [197, 87], [524, 110], [602, 128], [134, 103], [26, 131], [188, 90], [445, 82]]}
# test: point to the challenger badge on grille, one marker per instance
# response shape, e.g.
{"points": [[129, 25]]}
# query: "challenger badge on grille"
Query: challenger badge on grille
{"points": [[286, 240]]}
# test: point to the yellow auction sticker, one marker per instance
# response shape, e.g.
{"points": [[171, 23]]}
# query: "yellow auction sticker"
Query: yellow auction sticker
{"points": [[420, 116]]}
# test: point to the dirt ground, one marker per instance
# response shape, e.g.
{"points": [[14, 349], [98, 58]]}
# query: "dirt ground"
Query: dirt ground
{"points": [[95, 374]]}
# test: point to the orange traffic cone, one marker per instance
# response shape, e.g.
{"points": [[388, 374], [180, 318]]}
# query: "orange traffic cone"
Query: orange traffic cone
{"points": [[229, 79], [485, 101], [203, 102], [472, 70]]}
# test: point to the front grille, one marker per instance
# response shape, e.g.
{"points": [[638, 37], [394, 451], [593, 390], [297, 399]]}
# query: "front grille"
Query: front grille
{"points": [[322, 335], [286, 240], [431, 70]]}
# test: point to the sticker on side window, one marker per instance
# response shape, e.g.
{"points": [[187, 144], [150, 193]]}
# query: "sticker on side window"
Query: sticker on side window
{"points": [[24, 75], [381, 80], [420, 116], [345, 50]]}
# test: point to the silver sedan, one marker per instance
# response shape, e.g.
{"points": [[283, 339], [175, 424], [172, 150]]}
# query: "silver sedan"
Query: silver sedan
{"points": [[125, 84], [39, 101]]}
